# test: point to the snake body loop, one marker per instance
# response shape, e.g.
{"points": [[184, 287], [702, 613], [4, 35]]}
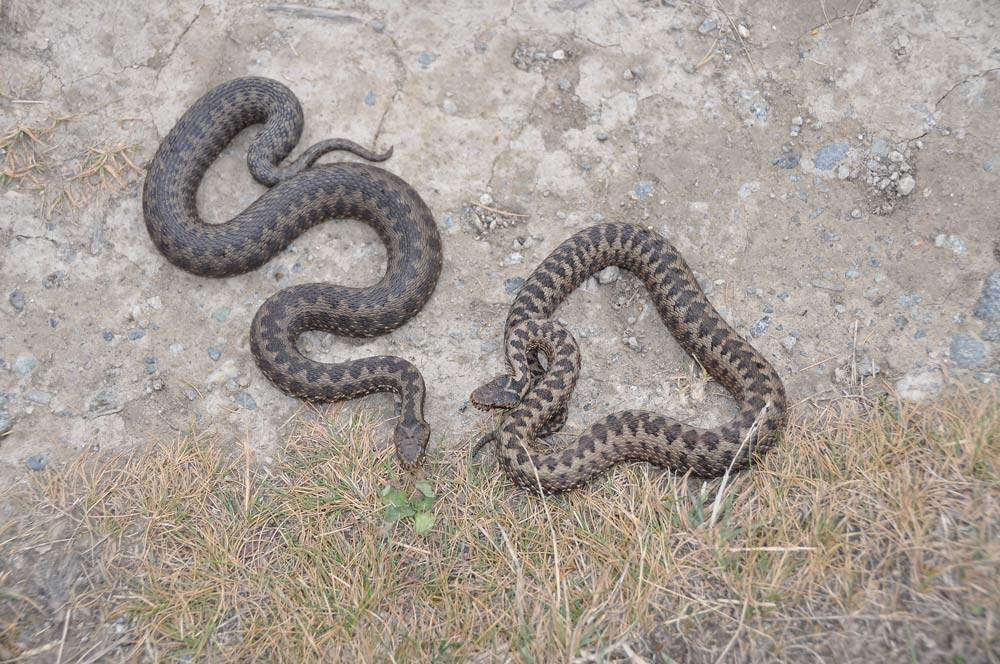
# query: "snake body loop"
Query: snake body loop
{"points": [[535, 399], [301, 195]]}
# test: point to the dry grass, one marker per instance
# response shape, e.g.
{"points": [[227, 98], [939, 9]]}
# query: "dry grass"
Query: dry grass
{"points": [[871, 535], [70, 180]]}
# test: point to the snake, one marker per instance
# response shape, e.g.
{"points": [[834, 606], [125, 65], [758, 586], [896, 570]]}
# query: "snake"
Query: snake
{"points": [[301, 194], [534, 399]]}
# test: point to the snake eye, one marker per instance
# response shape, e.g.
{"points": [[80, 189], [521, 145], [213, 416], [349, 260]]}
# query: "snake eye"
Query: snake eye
{"points": [[498, 393]]}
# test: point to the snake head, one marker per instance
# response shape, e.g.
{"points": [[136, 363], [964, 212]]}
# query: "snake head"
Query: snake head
{"points": [[411, 439], [498, 393]]}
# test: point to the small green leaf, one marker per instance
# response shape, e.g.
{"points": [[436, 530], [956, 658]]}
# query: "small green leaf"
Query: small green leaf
{"points": [[393, 513], [395, 496], [422, 503], [423, 522], [424, 487]]}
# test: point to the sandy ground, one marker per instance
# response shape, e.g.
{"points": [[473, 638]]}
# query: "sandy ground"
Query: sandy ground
{"points": [[830, 169]]}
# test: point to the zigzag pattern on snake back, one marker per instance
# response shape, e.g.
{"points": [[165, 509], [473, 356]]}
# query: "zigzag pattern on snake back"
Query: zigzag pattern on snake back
{"points": [[301, 196], [535, 399]]}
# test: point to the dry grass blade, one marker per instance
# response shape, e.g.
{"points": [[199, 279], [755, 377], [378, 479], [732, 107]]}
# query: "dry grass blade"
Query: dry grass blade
{"points": [[871, 532]]}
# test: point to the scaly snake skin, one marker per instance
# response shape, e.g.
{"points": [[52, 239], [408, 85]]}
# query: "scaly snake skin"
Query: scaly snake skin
{"points": [[301, 196], [536, 399]]}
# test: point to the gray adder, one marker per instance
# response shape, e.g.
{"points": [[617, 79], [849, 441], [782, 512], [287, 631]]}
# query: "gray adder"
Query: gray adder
{"points": [[301, 196], [535, 399]]}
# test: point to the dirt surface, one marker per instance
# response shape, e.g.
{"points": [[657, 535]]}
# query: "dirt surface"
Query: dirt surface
{"points": [[830, 169]]}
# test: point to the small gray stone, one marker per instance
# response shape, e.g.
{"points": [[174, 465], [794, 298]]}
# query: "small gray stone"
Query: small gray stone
{"points": [[39, 397], [108, 335], [633, 344], [24, 365], [906, 185], [880, 147], [6, 422], [920, 384], [37, 462], [853, 273], [967, 350], [449, 107], [370, 98], [245, 400], [830, 155], [609, 275], [760, 327], [190, 393], [789, 342], [378, 25], [221, 314], [17, 300], [601, 135], [643, 189], [707, 26], [909, 300], [988, 305], [787, 160], [215, 354], [513, 285], [426, 58], [136, 334]]}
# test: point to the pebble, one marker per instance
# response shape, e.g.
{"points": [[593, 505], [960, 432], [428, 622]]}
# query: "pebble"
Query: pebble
{"points": [[108, 335], [38, 396], [760, 327], [909, 300], [6, 422], [559, 54], [920, 385], [787, 160], [370, 98], [609, 275], [906, 185], [17, 300], [190, 393], [853, 273], [37, 462], [967, 351], [633, 344], [988, 305], [952, 241], [789, 342], [221, 314], [176, 349], [426, 58], [707, 26], [245, 400], [214, 354], [449, 107], [24, 365], [378, 25], [830, 155], [103, 401], [601, 135], [513, 285], [136, 334], [643, 189], [856, 213]]}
